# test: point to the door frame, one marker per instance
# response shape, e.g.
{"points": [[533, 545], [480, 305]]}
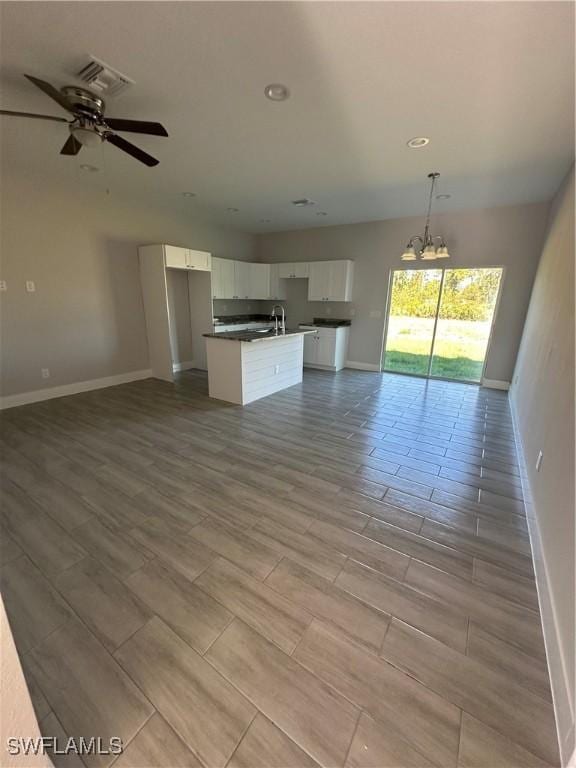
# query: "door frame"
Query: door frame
{"points": [[488, 343]]}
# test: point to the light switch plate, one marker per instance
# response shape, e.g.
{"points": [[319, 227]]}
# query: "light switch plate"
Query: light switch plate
{"points": [[375, 313], [30, 286]]}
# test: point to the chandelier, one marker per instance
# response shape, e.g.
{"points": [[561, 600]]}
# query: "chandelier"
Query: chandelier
{"points": [[426, 250]]}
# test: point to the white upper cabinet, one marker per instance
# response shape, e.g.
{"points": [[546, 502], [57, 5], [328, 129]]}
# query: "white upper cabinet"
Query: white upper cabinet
{"points": [[175, 257], [277, 288], [295, 269], [222, 278], [259, 281], [185, 258], [330, 280], [242, 275], [199, 260], [327, 280]]}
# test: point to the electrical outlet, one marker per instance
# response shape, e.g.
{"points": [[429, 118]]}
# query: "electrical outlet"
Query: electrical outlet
{"points": [[45, 373], [539, 461], [352, 312], [3, 286], [30, 286], [328, 311]]}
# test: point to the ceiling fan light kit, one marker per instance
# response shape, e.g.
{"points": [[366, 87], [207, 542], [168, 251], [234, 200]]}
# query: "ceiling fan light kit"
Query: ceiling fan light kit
{"points": [[88, 126], [427, 251]]}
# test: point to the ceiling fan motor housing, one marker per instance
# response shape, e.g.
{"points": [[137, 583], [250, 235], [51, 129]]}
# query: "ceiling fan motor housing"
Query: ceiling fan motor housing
{"points": [[84, 101]]}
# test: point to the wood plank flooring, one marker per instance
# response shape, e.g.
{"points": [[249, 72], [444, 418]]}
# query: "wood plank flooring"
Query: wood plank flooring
{"points": [[336, 575]]}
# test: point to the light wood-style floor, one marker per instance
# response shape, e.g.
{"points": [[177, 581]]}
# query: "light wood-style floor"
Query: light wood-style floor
{"points": [[336, 575]]}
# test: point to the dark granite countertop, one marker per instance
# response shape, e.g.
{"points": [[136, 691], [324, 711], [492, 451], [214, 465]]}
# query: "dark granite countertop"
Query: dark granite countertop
{"points": [[233, 319], [267, 335], [332, 322]]}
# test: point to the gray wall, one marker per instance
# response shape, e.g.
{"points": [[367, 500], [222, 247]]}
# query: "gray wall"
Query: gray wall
{"points": [[509, 236], [86, 319], [543, 402]]}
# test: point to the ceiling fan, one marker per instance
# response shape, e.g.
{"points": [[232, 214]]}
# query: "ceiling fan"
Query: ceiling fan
{"points": [[88, 126]]}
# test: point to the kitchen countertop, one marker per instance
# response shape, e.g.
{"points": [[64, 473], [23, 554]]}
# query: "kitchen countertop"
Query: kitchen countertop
{"points": [[324, 322], [255, 335], [247, 318]]}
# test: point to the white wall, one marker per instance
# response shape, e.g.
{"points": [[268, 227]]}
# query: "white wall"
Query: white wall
{"points": [[543, 402], [509, 236], [86, 319]]}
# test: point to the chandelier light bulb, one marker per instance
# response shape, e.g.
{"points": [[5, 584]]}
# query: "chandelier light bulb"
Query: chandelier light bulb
{"points": [[442, 252], [409, 254], [429, 253]]}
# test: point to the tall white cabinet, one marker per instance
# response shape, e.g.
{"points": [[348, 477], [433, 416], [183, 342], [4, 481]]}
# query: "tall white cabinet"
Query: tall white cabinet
{"points": [[155, 261]]}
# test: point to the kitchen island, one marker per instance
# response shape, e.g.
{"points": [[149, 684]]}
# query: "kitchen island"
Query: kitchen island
{"points": [[244, 366]]}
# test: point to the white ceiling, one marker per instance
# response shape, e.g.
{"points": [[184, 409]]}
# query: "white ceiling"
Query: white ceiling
{"points": [[491, 84]]}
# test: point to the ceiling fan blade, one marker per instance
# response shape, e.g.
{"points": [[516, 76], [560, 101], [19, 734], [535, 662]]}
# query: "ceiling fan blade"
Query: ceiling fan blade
{"points": [[126, 146], [10, 113], [136, 126], [72, 146], [49, 90]]}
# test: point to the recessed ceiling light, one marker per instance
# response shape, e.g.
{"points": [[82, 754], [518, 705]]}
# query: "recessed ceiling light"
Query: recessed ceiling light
{"points": [[89, 168], [321, 213], [303, 202], [265, 221], [188, 194], [276, 92], [443, 197], [418, 141], [233, 210]]}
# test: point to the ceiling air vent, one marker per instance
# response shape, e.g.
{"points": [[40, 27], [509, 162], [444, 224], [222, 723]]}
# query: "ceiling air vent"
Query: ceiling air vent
{"points": [[103, 79], [303, 202]]}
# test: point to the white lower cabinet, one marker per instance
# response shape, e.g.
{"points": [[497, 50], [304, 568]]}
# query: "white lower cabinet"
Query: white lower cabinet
{"points": [[326, 348]]}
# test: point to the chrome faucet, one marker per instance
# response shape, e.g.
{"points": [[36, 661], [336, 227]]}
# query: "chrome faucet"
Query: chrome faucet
{"points": [[275, 317]]}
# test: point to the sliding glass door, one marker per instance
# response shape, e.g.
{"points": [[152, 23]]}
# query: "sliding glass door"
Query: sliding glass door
{"points": [[411, 318], [439, 322]]}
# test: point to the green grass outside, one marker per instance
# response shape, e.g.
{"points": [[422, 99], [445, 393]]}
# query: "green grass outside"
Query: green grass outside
{"points": [[459, 352]]}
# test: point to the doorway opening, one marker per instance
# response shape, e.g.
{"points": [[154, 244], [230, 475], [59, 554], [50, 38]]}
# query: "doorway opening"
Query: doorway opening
{"points": [[439, 322]]}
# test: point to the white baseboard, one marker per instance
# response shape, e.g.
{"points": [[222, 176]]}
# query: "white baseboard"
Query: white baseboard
{"points": [[321, 367], [184, 366], [559, 684], [12, 401], [495, 384], [362, 366]]}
